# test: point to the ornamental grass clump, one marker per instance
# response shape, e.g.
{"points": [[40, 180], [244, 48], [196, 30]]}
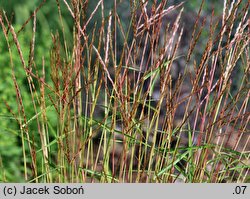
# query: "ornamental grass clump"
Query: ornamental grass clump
{"points": [[159, 99]]}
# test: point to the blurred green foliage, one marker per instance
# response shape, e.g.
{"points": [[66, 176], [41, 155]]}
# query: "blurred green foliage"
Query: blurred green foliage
{"points": [[47, 21]]}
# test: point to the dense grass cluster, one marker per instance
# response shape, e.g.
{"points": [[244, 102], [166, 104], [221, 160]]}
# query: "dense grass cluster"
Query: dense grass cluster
{"points": [[131, 103]]}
